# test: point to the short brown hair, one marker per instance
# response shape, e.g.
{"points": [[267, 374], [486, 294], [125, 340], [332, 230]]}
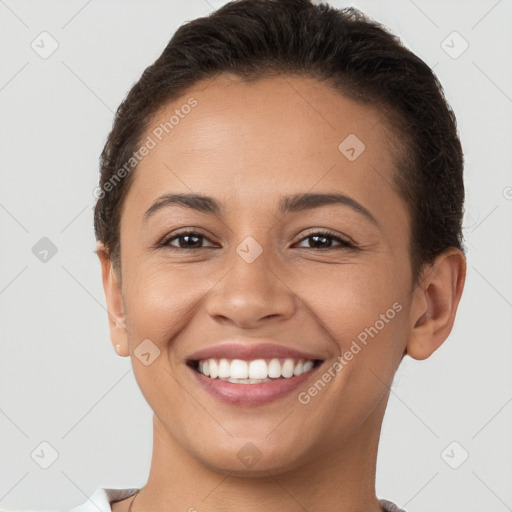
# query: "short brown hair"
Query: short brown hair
{"points": [[258, 38]]}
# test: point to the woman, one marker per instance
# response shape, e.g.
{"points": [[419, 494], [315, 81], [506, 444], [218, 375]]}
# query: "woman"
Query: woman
{"points": [[278, 223]]}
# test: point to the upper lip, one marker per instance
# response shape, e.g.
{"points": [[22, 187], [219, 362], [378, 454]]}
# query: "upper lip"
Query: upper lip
{"points": [[265, 349]]}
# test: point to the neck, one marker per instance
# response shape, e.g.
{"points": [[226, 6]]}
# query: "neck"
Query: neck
{"points": [[340, 479]]}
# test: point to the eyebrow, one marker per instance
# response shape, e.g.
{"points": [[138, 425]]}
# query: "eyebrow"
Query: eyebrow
{"points": [[288, 204]]}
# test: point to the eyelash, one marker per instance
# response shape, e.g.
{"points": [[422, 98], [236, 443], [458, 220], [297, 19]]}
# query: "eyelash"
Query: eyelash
{"points": [[344, 244]]}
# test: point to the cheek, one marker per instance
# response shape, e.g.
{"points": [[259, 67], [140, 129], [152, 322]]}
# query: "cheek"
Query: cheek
{"points": [[158, 305], [348, 299], [158, 302], [363, 312]]}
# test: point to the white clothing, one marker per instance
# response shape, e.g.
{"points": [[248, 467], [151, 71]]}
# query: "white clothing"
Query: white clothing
{"points": [[102, 499]]}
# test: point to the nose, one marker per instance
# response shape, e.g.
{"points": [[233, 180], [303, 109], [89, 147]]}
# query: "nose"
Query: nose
{"points": [[251, 294]]}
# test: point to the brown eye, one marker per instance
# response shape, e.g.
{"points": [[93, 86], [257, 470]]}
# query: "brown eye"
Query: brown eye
{"points": [[186, 240], [324, 240]]}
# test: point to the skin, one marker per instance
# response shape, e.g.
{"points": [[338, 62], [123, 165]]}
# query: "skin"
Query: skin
{"points": [[247, 145]]}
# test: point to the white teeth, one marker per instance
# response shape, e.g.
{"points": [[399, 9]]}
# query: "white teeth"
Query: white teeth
{"points": [[255, 371], [307, 366], [239, 369], [214, 368], [224, 369], [287, 368], [258, 369], [274, 369]]}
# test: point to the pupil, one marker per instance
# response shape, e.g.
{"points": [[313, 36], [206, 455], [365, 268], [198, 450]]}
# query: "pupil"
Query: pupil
{"points": [[188, 237], [316, 238]]}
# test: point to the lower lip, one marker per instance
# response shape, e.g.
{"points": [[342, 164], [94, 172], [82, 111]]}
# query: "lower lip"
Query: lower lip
{"points": [[252, 394]]}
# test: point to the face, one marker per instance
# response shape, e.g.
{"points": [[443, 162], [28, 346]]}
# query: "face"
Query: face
{"points": [[296, 250]]}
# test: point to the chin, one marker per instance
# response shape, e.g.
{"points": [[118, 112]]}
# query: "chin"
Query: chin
{"points": [[252, 457]]}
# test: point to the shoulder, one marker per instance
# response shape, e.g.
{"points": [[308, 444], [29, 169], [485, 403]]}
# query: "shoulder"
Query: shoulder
{"points": [[101, 500], [389, 506]]}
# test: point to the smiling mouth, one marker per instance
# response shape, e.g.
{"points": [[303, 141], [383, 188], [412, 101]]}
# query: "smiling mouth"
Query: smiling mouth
{"points": [[255, 371]]}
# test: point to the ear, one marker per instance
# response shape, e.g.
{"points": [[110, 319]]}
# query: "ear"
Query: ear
{"points": [[114, 299], [435, 303]]}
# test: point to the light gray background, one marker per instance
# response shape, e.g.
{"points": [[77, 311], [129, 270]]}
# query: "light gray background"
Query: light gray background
{"points": [[61, 381]]}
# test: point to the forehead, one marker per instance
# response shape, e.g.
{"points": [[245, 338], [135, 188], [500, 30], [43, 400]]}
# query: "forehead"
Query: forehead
{"points": [[283, 109], [229, 138]]}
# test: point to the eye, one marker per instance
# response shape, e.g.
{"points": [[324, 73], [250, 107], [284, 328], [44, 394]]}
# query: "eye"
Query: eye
{"points": [[191, 240], [185, 240], [323, 240]]}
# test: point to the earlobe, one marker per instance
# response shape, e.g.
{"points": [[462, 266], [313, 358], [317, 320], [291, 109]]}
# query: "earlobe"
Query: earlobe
{"points": [[114, 299], [435, 303]]}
